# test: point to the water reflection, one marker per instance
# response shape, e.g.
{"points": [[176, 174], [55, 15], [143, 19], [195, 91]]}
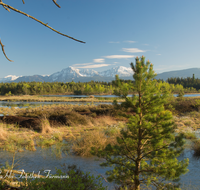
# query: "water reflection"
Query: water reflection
{"points": [[109, 96], [35, 104]]}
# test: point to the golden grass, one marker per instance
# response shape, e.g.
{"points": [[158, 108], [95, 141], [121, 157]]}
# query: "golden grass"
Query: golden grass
{"points": [[36, 98], [188, 122], [82, 145], [45, 125], [75, 125], [15, 142], [3, 132]]}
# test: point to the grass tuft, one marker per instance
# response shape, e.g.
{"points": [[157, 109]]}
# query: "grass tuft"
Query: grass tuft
{"points": [[189, 135], [3, 133], [196, 148], [82, 145], [45, 126]]}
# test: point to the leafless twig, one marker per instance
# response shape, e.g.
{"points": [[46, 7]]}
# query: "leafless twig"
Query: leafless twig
{"points": [[102, 177], [8, 7], [2, 47], [56, 3], [23, 13]]}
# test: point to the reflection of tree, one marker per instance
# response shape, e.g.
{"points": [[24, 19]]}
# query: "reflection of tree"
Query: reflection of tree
{"points": [[8, 8]]}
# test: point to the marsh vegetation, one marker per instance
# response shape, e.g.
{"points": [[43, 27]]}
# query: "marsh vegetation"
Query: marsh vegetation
{"points": [[87, 130], [75, 129]]}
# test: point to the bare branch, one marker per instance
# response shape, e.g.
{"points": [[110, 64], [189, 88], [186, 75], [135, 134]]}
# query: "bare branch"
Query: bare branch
{"points": [[5, 7], [23, 1], [2, 47], [102, 177], [16, 10], [56, 3]]}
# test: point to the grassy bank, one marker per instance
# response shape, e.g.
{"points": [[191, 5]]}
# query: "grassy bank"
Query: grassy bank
{"points": [[36, 98], [79, 124], [56, 123]]}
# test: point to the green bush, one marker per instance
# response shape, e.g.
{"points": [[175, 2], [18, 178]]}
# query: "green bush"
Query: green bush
{"points": [[189, 135], [76, 180], [196, 148], [2, 185]]}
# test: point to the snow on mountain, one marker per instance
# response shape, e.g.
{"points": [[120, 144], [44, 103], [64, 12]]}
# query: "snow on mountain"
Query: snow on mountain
{"points": [[86, 75], [9, 78], [71, 73], [88, 72], [119, 70]]}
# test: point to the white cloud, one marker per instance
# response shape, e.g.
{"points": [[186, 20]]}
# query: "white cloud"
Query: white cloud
{"points": [[171, 68], [116, 62], [98, 60], [114, 42], [119, 56], [132, 50], [129, 41], [94, 66], [82, 64]]}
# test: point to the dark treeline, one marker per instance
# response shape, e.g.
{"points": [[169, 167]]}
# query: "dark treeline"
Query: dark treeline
{"points": [[191, 83], [34, 88], [176, 85]]}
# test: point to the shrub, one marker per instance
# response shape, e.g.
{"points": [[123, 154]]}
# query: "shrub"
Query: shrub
{"points": [[78, 92], [45, 125], [82, 145], [184, 105], [74, 179], [196, 148], [91, 96], [93, 115], [189, 135]]}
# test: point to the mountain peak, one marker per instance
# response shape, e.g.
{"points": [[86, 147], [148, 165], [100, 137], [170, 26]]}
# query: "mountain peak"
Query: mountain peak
{"points": [[121, 71], [71, 73]]}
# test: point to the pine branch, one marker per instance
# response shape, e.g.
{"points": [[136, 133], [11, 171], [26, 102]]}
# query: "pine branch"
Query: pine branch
{"points": [[134, 158], [154, 150], [2, 47]]}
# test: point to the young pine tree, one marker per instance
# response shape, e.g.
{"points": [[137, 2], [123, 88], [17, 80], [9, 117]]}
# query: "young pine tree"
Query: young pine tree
{"points": [[147, 148]]}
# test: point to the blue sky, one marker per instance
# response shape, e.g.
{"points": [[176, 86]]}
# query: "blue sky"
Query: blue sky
{"points": [[167, 32]]}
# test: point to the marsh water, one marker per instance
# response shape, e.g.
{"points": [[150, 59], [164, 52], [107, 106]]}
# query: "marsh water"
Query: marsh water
{"points": [[45, 159], [34, 104], [109, 96]]}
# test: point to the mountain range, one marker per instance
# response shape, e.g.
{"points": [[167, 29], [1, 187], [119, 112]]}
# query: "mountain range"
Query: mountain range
{"points": [[85, 75]]}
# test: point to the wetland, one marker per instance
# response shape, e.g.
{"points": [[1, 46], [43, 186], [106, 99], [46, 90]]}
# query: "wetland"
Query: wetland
{"points": [[50, 133]]}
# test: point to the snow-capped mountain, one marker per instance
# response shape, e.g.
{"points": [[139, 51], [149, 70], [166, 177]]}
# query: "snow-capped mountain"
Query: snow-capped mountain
{"points": [[73, 73], [88, 72], [70, 73], [86, 75], [119, 70], [9, 78]]}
